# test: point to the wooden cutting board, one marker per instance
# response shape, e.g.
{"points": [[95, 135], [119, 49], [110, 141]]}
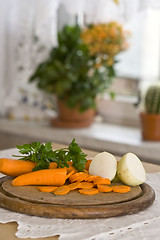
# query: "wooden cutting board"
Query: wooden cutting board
{"points": [[29, 200]]}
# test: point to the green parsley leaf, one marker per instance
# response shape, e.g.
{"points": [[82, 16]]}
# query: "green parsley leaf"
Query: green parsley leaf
{"points": [[43, 155], [77, 156]]}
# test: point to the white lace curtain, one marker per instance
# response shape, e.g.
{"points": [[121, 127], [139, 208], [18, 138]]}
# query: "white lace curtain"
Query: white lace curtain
{"points": [[28, 30]]}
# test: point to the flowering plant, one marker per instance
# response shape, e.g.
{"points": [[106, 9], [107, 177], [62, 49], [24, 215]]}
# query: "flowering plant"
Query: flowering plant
{"points": [[82, 65], [105, 40]]}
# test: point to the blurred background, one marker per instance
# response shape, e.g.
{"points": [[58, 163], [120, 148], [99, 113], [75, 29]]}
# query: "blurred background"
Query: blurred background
{"points": [[28, 32]]}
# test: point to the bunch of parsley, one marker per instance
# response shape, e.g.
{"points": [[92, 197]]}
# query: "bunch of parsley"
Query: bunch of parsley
{"points": [[43, 155]]}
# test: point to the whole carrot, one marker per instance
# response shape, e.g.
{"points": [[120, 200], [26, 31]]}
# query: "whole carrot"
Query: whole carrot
{"points": [[55, 177], [14, 168]]}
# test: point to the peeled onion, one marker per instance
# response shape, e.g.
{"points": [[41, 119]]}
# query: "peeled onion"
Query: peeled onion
{"points": [[130, 170], [104, 165]]}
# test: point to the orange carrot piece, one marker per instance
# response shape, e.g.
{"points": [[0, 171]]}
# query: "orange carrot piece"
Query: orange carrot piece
{"points": [[87, 164], [14, 167], [74, 185], [46, 188], [90, 178], [55, 177], [61, 190], [53, 165], [71, 168], [79, 176], [70, 174], [90, 191], [86, 185], [121, 189], [101, 181], [104, 188], [82, 178]]}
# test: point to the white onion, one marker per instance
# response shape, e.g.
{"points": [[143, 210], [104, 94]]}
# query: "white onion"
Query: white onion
{"points": [[130, 170], [104, 165]]}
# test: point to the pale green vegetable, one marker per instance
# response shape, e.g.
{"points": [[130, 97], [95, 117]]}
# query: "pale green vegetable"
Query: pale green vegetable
{"points": [[130, 170], [104, 165]]}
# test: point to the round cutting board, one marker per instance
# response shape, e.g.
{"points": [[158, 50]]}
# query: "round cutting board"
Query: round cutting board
{"points": [[29, 200], [73, 198]]}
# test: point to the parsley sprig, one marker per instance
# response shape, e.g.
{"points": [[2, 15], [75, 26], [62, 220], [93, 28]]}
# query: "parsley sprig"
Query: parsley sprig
{"points": [[43, 155]]}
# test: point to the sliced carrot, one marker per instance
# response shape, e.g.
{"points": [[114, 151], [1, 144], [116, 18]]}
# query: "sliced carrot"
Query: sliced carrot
{"points": [[46, 188], [61, 190], [90, 191], [53, 165], [74, 185], [71, 168], [79, 176], [121, 189], [90, 178], [104, 188], [70, 174], [101, 181], [86, 185], [82, 178], [87, 164], [55, 177]]}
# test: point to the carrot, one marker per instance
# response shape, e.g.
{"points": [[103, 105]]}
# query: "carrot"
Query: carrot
{"points": [[82, 178], [14, 167], [121, 189], [55, 177], [61, 190], [90, 191], [86, 185], [74, 185], [46, 188], [104, 188], [101, 180], [87, 164], [71, 168], [79, 176], [70, 174], [90, 178], [53, 165]]}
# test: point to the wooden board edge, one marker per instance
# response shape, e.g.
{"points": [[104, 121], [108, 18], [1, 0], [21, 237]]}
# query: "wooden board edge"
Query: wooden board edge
{"points": [[79, 212]]}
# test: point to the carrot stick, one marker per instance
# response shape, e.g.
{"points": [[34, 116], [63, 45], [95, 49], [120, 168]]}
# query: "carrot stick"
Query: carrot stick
{"points": [[61, 190], [46, 188], [104, 188], [90, 191], [55, 177], [14, 167], [121, 189], [74, 185], [86, 185], [101, 180]]}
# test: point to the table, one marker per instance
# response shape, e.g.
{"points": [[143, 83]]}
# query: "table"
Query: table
{"points": [[7, 231]]}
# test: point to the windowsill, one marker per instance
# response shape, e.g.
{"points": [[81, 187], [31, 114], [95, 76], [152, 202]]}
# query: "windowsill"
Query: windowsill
{"points": [[100, 136]]}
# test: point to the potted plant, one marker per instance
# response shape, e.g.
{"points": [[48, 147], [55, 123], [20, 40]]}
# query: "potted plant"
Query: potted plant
{"points": [[150, 118], [76, 73]]}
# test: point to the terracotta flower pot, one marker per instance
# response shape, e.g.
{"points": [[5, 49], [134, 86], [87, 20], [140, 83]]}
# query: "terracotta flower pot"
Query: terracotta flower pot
{"points": [[72, 117], [150, 126]]}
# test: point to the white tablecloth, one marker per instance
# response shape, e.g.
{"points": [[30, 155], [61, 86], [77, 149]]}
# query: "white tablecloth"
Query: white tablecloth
{"points": [[144, 225]]}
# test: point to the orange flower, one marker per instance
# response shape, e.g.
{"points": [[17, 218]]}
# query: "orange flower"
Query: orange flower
{"points": [[108, 39]]}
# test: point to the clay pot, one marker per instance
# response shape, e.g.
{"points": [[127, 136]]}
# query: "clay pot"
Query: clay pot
{"points": [[150, 126], [72, 117]]}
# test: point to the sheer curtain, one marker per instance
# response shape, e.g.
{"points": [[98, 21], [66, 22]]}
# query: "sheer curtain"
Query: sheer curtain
{"points": [[28, 30]]}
